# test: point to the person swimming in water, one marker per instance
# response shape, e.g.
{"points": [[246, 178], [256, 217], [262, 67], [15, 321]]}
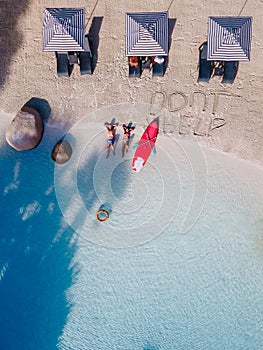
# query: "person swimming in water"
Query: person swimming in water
{"points": [[127, 129], [111, 130]]}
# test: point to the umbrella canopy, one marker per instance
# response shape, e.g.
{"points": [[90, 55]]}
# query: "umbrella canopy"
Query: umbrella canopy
{"points": [[147, 34], [64, 29], [229, 38]]}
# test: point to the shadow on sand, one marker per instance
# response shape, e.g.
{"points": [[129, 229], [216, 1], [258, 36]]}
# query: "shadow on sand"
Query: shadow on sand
{"points": [[171, 25], [93, 36]]}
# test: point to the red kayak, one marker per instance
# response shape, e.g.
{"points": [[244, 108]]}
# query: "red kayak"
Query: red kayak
{"points": [[145, 146]]}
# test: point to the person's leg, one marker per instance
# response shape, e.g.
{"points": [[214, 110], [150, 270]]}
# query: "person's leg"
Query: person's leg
{"points": [[108, 151], [122, 148], [127, 145]]}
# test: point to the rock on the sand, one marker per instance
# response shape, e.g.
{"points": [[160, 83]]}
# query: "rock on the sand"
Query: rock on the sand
{"points": [[26, 129], [61, 152]]}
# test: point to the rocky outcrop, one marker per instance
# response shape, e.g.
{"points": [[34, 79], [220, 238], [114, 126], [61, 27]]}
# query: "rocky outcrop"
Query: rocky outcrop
{"points": [[61, 152], [26, 129]]}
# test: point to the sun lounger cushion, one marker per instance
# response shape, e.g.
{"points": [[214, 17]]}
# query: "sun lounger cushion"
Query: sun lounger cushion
{"points": [[135, 72], [158, 69], [85, 62], [62, 64], [230, 71], [205, 67]]}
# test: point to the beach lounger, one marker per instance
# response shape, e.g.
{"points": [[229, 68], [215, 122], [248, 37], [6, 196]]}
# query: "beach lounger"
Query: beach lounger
{"points": [[205, 67], [85, 62], [230, 72], [85, 59], [135, 72], [62, 64], [158, 69]]}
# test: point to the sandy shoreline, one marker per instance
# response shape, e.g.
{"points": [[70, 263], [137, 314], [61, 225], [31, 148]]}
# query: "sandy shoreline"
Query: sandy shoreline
{"points": [[184, 106]]}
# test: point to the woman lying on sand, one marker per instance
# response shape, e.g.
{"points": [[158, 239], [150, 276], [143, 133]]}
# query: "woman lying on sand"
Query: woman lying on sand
{"points": [[126, 137]]}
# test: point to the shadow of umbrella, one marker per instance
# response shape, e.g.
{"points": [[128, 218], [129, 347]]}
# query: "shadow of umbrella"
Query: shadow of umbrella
{"points": [[93, 36], [171, 25]]}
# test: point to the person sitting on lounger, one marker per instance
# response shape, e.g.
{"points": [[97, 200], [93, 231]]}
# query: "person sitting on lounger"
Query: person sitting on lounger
{"points": [[127, 129], [133, 61], [111, 130], [157, 59]]}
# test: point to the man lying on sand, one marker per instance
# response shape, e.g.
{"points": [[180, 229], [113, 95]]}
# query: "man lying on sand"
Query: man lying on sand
{"points": [[111, 130]]}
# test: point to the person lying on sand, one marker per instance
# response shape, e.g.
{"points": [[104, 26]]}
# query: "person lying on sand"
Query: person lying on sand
{"points": [[111, 130], [127, 129]]}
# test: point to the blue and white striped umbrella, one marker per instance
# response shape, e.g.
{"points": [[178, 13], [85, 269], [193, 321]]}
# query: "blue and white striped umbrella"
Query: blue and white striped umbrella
{"points": [[229, 38], [147, 34], [64, 29]]}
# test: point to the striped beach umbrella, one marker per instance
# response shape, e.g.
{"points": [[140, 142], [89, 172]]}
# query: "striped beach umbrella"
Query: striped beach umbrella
{"points": [[64, 29], [229, 38], [147, 34]]}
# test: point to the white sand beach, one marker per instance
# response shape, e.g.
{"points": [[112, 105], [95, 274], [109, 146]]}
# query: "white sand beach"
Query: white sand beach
{"points": [[179, 263]]}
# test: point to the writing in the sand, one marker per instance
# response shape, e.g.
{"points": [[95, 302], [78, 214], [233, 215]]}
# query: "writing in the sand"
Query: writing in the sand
{"points": [[196, 113]]}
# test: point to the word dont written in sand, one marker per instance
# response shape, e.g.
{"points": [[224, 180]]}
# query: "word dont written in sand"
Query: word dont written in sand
{"points": [[196, 114]]}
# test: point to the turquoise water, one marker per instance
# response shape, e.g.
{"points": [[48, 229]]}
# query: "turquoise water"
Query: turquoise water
{"points": [[202, 289]]}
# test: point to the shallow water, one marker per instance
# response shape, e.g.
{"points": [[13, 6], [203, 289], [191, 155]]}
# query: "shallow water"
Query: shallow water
{"points": [[194, 288]]}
